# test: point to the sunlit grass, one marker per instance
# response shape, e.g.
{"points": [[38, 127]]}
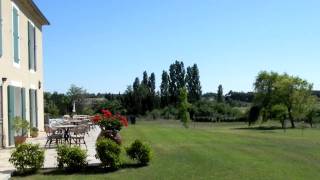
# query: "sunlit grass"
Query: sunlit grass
{"points": [[218, 151]]}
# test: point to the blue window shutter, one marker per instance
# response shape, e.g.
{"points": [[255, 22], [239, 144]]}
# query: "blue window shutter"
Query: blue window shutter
{"points": [[35, 48], [15, 35], [23, 103], [33, 108], [36, 107], [23, 106], [11, 112], [30, 46]]}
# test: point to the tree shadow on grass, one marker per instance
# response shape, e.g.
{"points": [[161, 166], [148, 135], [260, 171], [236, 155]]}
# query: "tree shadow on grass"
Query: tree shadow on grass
{"points": [[91, 169]]}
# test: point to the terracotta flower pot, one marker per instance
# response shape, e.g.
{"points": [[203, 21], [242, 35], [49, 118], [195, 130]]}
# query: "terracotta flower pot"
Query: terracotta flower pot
{"points": [[19, 140]]}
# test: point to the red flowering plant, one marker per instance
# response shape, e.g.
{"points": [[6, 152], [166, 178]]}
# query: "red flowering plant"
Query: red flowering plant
{"points": [[108, 121]]}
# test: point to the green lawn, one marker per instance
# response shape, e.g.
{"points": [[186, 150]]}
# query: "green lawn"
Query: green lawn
{"points": [[219, 151]]}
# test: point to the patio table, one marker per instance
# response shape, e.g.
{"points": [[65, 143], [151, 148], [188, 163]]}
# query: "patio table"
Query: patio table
{"points": [[66, 128], [76, 122]]}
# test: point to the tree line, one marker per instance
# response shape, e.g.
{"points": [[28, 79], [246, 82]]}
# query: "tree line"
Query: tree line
{"points": [[275, 97]]}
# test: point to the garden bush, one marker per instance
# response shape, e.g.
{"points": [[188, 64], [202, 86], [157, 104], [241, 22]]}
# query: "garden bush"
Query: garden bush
{"points": [[27, 158], [154, 114], [108, 152], [140, 152], [71, 158], [34, 132], [170, 112]]}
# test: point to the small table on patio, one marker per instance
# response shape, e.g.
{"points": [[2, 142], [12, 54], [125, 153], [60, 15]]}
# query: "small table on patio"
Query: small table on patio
{"points": [[76, 122], [66, 128]]}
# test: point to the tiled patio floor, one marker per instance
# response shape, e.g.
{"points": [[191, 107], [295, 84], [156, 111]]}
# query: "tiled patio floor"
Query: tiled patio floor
{"points": [[50, 154]]}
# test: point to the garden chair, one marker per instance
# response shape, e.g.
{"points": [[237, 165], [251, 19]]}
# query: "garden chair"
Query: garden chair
{"points": [[52, 136], [78, 136]]}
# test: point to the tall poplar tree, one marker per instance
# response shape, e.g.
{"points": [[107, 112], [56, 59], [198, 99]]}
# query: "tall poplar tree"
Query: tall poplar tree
{"points": [[220, 97], [177, 80], [164, 89], [193, 83]]}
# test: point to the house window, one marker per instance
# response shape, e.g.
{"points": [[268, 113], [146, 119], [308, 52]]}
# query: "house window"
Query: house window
{"points": [[15, 33], [32, 46]]}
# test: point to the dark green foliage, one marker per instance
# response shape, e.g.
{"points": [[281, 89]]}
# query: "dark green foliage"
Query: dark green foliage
{"points": [[115, 106], [205, 110], [152, 84], [254, 114], [56, 104], [154, 114], [240, 97], [184, 107], [145, 79], [177, 80], [71, 158], [140, 152], [170, 112], [220, 96], [27, 158], [109, 153], [141, 97], [193, 83], [136, 84], [164, 89]]}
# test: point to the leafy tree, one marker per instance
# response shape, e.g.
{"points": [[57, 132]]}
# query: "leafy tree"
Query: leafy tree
{"points": [[295, 94], [177, 80], [77, 95], [183, 107], [56, 104], [264, 85], [292, 92], [220, 97], [164, 89], [193, 83], [279, 112]]}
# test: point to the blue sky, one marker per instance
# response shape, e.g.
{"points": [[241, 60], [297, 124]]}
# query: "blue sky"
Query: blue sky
{"points": [[102, 45]]}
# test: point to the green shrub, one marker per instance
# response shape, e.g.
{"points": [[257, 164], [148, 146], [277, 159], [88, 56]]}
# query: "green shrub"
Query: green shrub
{"points": [[140, 152], [109, 153], [71, 158], [170, 112], [27, 158], [154, 114], [34, 132]]}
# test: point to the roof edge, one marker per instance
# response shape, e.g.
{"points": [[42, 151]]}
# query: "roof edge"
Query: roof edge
{"points": [[38, 11]]}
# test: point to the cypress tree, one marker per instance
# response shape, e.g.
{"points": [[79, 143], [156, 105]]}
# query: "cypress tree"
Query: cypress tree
{"points": [[220, 97]]}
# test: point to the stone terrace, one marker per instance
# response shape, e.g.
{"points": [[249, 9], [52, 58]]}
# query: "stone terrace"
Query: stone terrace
{"points": [[50, 154]]}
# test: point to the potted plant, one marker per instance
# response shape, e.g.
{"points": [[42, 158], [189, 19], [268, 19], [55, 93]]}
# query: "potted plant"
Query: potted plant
{"points": [[21, 126], [34, 132], [110, 125]]}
